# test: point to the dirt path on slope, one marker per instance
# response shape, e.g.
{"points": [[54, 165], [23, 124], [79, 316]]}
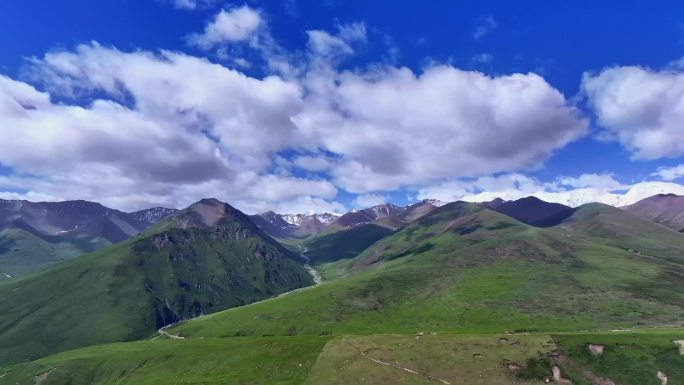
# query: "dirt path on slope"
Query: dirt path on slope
{"points": [[318, 279], [395, 366], [163, 332]]}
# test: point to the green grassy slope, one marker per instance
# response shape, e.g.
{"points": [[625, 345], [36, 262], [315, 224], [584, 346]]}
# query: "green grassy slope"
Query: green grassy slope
{"points": [[611, 226], [23, 253], [462, 269], [276, 361], [455, 359], [343, 244], [129, 290], [629, 358], [466, 268]]}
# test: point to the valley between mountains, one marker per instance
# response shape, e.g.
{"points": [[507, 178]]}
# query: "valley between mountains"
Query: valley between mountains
{"points": [[517, 292]]}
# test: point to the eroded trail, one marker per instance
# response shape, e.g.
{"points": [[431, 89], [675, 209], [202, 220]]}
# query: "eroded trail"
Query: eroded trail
{"points": [[395, 366], [318, 279], [163, 332]]}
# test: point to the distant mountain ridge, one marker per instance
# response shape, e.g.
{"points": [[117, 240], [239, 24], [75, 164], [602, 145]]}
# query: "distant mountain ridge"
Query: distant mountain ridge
{"points": [[284, 226], [34, 235], [533, 211], [666, 209]]}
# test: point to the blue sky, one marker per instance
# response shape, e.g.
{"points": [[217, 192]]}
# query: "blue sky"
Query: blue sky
{"points": [[611, 125]]}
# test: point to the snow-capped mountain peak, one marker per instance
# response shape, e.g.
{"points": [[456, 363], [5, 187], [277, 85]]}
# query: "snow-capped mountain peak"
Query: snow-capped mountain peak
{"points": [[297, 219], [434, 202]]}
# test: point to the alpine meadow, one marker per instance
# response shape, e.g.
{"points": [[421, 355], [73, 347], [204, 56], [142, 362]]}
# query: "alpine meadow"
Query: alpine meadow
{"points": [[300, 192]]}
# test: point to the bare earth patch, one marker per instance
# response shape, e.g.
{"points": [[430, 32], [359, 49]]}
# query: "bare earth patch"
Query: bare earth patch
{"points": [[43, 377], [680, 343], [596, 349], [662, 377]]}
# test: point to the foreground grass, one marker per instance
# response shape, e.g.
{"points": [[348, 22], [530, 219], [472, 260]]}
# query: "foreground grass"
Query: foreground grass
{"points": [[452, 359], [629, 358], [273, 361]]}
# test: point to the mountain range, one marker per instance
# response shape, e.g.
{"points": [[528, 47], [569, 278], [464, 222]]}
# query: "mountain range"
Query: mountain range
{"points": [[507, 282], [199, 260], [36, 235], [293, 226], [666, 209]]}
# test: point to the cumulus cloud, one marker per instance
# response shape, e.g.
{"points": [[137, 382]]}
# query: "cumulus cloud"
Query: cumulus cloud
{"points": [[300, 205], [197, 129], [370, 200], [670, 173], [641, 108], [228, 26], [136, 129], [601, 181], [312, 163], [395, 127]]}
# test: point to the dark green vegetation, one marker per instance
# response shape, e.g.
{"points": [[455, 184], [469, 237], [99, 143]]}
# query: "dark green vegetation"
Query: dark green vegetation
{"points": [[448, 296], [344, 244], [203, 259]]}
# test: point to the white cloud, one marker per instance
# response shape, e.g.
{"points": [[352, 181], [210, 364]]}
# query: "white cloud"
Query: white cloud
{"points": [[324, 44], [601, 181], [395, 127], [168, 128], [506, 186], [229, 26], [640, 108], [312, 163], [670, 173], [300, 205], [197, 130], [487, 25], [370, 200]]}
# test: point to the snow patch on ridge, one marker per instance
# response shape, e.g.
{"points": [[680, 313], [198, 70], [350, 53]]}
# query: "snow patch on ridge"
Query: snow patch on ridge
{"points": [[297, 219]]}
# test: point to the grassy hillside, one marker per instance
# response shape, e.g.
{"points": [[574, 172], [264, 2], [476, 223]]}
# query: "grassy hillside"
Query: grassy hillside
{"points": [[666, 209], [129, 290], [632, 358], [270, 360], [22, 252], [608, 225], [343, 244], [427, 359], [627, 358], [466, 268], [464, 295]]}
